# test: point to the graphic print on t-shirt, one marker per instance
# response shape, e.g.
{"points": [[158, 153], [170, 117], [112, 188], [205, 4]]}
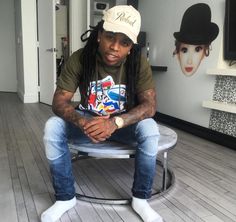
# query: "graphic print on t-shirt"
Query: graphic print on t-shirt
{"points": [[105, 97]]}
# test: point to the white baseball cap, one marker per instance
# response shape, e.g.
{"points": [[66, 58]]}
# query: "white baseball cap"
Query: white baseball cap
{"points": [[124, 19]]}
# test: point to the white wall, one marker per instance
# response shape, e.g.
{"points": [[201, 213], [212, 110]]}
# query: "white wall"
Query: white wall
{"points": [[19, 47], [26, 50], [179, 96], [8, 81], [78, 23]]}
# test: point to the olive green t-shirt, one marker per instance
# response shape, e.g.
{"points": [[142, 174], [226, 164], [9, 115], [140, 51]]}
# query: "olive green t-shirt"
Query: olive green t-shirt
{"points": [[107, 93]]}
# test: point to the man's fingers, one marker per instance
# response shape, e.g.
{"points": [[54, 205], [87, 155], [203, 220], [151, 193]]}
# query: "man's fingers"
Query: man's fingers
{"points": [[93, 122], [97, 140], [98, 129], [96, 120]]}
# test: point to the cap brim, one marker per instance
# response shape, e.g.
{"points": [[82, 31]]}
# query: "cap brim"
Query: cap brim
{"points": [[111, 27]]}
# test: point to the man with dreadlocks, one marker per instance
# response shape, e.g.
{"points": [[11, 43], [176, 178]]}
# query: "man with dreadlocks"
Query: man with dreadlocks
{"points": [[118, 100]]}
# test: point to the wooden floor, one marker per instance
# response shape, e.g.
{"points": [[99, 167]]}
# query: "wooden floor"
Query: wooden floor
{"points": [[205, 188]]}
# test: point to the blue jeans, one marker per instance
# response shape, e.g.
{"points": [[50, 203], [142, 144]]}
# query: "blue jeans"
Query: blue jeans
{"points": [[58, 133]]}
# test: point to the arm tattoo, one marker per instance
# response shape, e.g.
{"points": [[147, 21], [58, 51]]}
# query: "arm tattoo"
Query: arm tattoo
{"points": [[145, 109], [63, 107]]}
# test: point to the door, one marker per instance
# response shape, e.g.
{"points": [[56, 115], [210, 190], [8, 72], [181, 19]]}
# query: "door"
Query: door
{"points": [[47, 49]]}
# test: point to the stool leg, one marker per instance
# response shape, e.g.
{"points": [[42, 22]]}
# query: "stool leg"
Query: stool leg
{"points": [[164, 175]]}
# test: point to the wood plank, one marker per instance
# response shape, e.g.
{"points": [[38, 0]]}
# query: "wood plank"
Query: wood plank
{"points": [[7, 200], [8, 206]]}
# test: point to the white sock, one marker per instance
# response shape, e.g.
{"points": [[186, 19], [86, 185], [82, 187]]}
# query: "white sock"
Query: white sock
{"points": [[54, 212], [143, 209]]}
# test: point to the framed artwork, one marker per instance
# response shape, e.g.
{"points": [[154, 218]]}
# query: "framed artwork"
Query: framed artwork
{"points": [[193, 40]]}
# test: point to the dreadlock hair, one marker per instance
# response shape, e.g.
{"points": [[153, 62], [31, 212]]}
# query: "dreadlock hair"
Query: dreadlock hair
{"points": [[88, 58], [132, 67]]}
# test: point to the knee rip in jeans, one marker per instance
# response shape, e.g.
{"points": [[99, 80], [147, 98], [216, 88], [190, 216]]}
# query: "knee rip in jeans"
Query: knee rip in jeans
{"points": [[53, 153], [142, 138], [52, 157]]}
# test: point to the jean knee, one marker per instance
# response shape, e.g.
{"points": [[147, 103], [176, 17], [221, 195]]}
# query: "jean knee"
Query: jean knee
{"points": [[147, 128], [54, 128], [54, 138], [148, 137]]}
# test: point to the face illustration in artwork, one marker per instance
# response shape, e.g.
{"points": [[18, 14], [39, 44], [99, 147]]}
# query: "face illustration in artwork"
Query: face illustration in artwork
{"points": [[193, 40], [190, 57]]}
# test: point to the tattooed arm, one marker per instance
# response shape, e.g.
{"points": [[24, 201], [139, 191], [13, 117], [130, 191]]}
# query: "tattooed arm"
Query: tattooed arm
{"points": [[103, 127], [146, 108], [62, 107]]}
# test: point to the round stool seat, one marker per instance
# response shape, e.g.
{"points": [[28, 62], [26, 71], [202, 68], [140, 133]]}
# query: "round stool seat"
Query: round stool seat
{"points": [[167, 140]]}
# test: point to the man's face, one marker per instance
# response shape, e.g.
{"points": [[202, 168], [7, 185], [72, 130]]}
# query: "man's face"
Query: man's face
{"points": [[190, 57], [113, 47]]}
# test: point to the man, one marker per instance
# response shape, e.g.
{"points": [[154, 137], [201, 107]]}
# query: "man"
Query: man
{"points": [[118, 100]]}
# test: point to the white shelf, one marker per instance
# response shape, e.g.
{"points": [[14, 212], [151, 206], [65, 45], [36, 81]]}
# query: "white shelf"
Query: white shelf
{"points": [[222, 106], [222, 72]]}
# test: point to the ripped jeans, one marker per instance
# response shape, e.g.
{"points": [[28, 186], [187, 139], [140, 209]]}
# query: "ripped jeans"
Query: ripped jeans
{"points": [[58, 133]]}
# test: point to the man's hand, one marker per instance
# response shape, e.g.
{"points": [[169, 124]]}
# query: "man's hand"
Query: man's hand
{"points": [[100, 128]]}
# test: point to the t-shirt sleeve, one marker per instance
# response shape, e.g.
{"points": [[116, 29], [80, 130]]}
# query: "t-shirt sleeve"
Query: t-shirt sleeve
{"points": [[70, 74], [145, 80]]}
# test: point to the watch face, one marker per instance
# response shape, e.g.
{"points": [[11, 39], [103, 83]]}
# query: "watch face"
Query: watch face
{"points": [[119, 122]]}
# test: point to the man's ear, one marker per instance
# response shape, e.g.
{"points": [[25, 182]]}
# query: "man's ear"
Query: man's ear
{"points": [[131, 46]]}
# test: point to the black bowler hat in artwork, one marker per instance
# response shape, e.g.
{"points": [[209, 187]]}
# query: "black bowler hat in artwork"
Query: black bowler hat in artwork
{"points": [[196, 26]]}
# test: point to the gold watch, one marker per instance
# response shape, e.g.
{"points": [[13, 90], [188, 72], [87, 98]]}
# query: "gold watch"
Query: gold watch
{"points": [[119, 122]]}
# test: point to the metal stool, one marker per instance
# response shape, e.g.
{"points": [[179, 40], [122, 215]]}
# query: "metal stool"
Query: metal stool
{"points": [[107, 149]]}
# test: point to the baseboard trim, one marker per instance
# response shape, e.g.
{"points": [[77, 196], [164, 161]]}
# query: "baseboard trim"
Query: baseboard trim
{"points": [[28, 98], [203, 132], [76, 97]]}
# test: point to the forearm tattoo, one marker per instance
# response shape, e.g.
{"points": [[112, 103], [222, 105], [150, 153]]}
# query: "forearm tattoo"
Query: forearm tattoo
{"points": [[146, 108], [62, 107]]}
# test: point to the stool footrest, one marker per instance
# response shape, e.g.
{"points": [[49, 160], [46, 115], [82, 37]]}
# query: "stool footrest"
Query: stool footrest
{"points": [[110, 149], [124, 201]]}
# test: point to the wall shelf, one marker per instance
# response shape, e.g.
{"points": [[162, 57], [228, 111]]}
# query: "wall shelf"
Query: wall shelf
{"points": [[222, 72], [159, 68], [222, 106]]}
